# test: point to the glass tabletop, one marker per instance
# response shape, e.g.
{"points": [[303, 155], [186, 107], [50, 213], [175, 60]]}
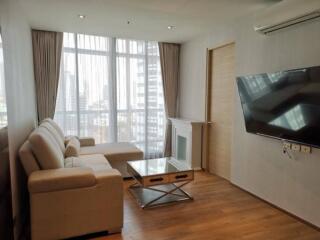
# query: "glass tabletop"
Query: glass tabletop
{"points": [[158, 166]]}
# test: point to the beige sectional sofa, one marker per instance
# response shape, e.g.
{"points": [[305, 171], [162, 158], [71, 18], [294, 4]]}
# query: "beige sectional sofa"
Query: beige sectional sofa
{"points": [[77, 195]]}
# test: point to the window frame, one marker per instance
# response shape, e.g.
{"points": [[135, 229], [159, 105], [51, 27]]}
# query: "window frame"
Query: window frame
{"points": [[112, 54]]}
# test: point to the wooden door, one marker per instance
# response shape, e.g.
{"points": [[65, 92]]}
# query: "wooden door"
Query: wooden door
{"points": [[220, 109]]}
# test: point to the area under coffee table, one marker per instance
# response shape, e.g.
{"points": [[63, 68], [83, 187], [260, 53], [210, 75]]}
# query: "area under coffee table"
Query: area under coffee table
{"points": [[159, 181]]}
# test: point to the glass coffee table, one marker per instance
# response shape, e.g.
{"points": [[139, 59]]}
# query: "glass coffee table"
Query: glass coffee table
{"points": [[159, 181]]}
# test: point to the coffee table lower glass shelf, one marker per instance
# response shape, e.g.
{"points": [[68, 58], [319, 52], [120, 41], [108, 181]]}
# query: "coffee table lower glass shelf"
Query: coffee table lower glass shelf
{"points": [[159, 181]]}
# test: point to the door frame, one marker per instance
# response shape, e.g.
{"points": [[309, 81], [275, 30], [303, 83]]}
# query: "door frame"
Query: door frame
{"points": [[209, 54]]}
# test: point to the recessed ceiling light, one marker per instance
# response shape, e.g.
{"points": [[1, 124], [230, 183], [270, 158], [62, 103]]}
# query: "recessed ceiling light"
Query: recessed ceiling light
{"points": [[82, 16], [170, 27]]}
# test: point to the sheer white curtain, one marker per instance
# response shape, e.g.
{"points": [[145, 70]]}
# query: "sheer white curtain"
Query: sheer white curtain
{"points": [[3, 105], [140, 106], [111, 89]]}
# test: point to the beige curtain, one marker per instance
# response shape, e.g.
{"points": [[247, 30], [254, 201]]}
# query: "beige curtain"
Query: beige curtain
{"points": [[169, 58], [47, 47]]}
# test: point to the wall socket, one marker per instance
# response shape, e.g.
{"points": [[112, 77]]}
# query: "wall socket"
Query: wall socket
{"points": [[287, 145], [295, 147], [305, 149]]}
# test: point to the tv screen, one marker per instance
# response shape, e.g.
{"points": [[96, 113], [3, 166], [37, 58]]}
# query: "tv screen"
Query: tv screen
{"points": [[283, 105]]}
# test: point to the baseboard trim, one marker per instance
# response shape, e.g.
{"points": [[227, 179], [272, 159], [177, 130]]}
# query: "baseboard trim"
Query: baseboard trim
{"points": [[197, 169], [279, 208], [90, 236]]}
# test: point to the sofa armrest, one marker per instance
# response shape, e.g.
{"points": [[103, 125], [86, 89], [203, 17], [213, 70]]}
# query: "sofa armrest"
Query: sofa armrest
{"points": [[111, 180], [61, 179], [108, 176], [87, 141]]}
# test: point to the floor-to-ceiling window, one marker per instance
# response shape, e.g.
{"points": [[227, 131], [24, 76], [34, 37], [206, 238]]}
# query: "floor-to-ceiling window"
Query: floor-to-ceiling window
{"points": [[111, 89], [3, 105]]}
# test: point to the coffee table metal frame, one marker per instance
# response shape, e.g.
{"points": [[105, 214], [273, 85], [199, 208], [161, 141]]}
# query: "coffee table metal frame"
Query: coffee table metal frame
{"points": [[174, 190], [183, 195]]}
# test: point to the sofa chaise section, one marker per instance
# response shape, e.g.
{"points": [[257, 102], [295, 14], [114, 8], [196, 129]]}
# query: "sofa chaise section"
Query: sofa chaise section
{"points": [[116, 153]]}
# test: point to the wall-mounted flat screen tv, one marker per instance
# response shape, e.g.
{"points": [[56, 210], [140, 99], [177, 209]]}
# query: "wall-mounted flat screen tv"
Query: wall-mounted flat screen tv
{"points": [[283, 105]]}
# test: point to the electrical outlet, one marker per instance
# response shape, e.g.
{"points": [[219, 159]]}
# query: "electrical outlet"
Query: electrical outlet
{"points": [[305, 149], [287, 145], [295, 147]]}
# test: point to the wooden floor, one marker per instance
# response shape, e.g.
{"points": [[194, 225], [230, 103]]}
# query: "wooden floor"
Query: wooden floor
{"points": [[219, 211]]}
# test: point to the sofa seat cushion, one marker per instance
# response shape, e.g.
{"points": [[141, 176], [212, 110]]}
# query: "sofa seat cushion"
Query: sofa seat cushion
{"points": [[117, 154], [97, 162], [114, 151]]}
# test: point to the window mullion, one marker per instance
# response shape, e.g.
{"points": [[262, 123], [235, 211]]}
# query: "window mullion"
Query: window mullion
{"points": [[146, 100], [129, 110], [64, 97], [77, 83], [113, 92]]}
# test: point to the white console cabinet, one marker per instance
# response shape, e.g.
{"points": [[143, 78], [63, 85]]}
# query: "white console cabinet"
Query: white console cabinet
{"points": [[187, 141]]}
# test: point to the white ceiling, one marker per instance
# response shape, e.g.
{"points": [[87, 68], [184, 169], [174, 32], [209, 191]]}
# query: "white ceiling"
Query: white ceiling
{"points": [[149, 18]]}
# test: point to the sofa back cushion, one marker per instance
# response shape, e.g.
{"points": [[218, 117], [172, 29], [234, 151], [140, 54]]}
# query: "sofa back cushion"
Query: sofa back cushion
{"points": [[46, 149], [27, 158], [55, 134], [56, 126]]}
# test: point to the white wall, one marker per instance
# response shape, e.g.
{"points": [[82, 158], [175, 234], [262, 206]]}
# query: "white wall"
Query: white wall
{"points": [[193, 71], [258, 164], [192, 84], [20, 94]]}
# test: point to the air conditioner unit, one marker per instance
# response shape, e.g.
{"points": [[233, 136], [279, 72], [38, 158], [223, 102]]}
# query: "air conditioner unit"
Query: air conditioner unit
{"points": [[285, 14]]}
